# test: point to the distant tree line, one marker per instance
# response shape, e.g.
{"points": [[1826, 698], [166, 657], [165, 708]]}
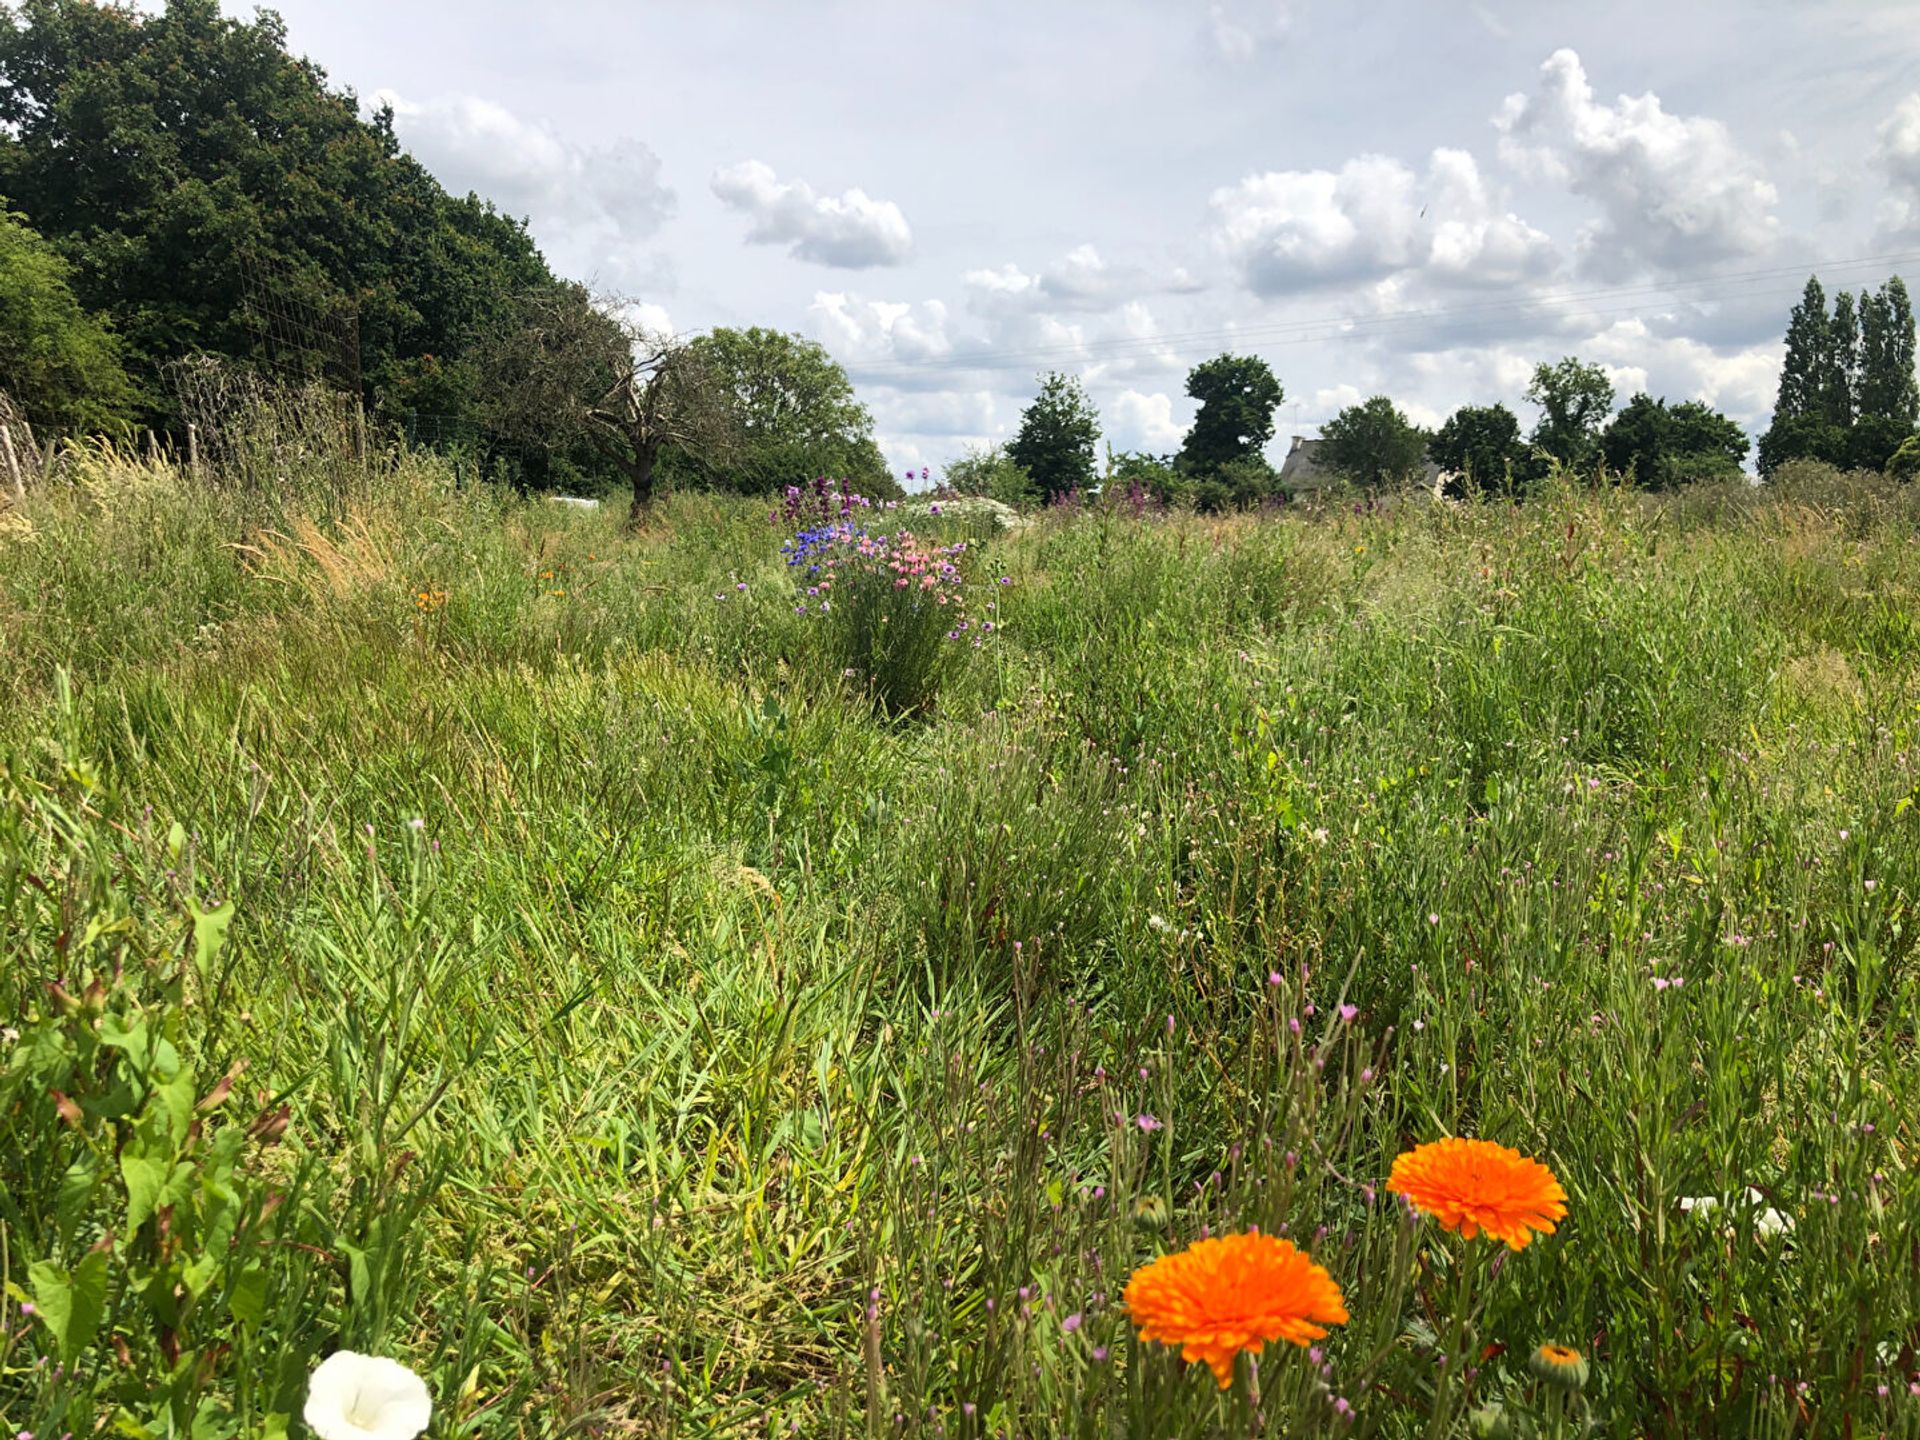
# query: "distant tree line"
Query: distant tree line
{"points": [[1847, 398]]}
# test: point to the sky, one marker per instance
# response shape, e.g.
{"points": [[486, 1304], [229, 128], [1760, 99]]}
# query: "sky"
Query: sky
{"points": [[1421, 198]]}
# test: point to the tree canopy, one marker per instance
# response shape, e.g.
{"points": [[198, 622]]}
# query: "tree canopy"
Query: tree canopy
{"points": [[1574, 399], [1374, 445], [1664, 446], [229, 201], [794, 412], [58, 364], [1848, 394], [1059, 433], [1238, 395], [1481, 446]]}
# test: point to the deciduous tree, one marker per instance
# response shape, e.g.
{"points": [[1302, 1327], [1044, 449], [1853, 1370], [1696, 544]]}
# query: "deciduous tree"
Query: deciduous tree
{"points": [[1574, 398], [1373, 445], [1058, 436], [1238, 395]]}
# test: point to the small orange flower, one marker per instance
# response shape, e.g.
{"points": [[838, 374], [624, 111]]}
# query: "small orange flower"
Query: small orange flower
{"points": [[1232, 1293], [1473, 1185]]}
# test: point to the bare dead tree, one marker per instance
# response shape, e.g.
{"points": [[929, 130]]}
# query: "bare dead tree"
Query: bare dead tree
{"points": [[572, 366]]}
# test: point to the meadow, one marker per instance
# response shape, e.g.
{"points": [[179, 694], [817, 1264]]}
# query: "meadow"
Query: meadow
{"points": [[448, 926]]}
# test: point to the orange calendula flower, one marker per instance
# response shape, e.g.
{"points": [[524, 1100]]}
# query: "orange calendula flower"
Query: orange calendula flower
{"points": [[1474, 1185], [1232, 1293]]}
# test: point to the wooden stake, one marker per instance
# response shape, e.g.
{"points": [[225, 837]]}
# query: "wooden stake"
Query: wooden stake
{"points": [[193, 450], [13, 463]]}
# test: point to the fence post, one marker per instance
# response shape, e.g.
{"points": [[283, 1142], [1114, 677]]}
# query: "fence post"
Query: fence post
{"points": [[193, 451], [13, 463]]}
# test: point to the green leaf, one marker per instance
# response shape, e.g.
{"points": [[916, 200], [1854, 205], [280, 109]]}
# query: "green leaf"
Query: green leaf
{"points": [[71, 1304], [247, 1296], [209, 934], [76, 1190], [144, 1176]]}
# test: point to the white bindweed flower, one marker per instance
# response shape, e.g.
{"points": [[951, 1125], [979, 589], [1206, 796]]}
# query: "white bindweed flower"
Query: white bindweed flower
{"points": [[366, 1397], [1767, 1221]]}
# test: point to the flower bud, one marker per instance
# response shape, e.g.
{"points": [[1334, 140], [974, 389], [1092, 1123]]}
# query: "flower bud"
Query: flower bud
{"points": [[1150, 1214], [1560, 1366]]}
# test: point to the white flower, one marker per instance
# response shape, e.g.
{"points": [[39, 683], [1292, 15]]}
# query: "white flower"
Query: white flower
{"points": [[1767, 1222], [366, 1397]]}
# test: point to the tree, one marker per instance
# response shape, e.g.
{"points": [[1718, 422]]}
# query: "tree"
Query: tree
{"points": [[794, 413], [1058, 435], [1373, 445], [1840, 363], [989, 472], [1481, 444], [576, 368], [1238, 395], [197, 177], [1801, 437], [1807, 343], [1574, 399], [1663, 447], [58, 363], [1888, 388]]}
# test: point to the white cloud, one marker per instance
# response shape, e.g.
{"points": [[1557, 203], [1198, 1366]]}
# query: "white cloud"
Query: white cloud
{"points": [[1241, 29], [1294, 230], [1144, 422], [527, 168], [1898, 157], [851, 231], [1675, 192], [1675, 367], [861, 332]]}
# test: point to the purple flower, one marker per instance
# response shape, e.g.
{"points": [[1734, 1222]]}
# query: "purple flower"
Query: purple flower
{"points": [[1071, 1323], [1347, 1012], [1147, 1123]]}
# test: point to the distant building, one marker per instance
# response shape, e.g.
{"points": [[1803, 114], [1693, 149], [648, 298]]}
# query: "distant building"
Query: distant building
{"points": [[1304, 472]]}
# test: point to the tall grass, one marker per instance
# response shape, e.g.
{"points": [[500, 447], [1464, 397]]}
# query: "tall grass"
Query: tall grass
{"points": [[640, 1035]]}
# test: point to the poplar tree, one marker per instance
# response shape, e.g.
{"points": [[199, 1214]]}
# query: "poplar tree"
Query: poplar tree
{"points": [[1840, 363], [1806, 348]]}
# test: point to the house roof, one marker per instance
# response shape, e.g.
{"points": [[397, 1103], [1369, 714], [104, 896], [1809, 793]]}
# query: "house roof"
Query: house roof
{"points": [[1304, 470]]}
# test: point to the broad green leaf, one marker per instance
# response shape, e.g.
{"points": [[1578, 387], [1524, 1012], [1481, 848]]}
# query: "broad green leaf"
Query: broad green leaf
{"points": [[71, 1303], [247, 1296], [145, 1176], [209, 934], [76, 1190]]}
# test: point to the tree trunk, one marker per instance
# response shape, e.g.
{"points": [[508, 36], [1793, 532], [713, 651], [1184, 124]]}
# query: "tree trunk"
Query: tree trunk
{"points": [[640, 472]]}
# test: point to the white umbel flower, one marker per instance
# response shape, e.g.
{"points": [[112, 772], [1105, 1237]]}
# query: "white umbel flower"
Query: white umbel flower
{"points": [[366, 1397]]}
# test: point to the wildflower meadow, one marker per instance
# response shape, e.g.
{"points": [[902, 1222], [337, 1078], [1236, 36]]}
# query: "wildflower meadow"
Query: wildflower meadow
{"points": [[1412, 970]]}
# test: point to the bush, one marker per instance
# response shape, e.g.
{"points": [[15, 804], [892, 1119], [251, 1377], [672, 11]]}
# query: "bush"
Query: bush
{"points": [[892, 607], [1904, 464]]}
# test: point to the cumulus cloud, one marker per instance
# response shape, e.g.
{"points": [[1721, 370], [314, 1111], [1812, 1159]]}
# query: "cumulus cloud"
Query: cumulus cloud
{"points": [[1898, 158], [1677, 367], [851, 231], [527, 168], [1675, 192], [1144, 422], [1294, 230], [1081, 279], [862, 333]]}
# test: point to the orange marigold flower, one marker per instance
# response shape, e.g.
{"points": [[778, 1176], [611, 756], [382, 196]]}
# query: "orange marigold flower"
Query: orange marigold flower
{"points": [[1474, 1185], [1232, 1293]]}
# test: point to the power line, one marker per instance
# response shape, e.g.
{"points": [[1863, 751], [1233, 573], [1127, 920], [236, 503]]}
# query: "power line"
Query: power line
{"points": [[1339, 327]]}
